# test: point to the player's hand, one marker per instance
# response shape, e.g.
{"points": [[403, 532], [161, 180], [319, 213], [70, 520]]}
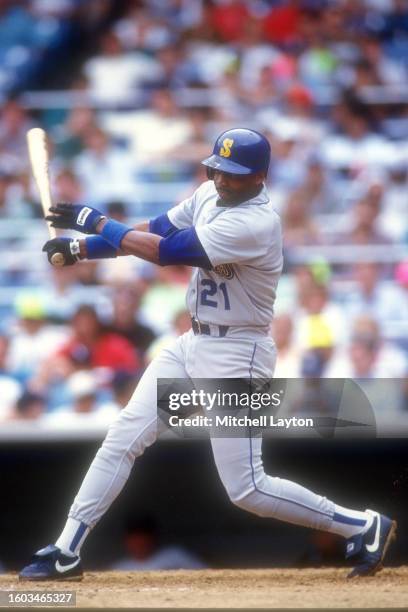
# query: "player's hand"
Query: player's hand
{"points": [[75, 216], [68, 247]]}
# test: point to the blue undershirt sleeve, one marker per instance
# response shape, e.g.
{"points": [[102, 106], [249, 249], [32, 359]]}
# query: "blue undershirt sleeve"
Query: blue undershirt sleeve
{"points": [[183, 247], [162, 226]]}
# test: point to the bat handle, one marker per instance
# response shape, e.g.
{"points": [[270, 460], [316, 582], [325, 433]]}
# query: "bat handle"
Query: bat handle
{"points": [[57, 260]]}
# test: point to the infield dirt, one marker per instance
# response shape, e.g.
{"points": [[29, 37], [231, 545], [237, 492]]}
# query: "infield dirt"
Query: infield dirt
{"points": [[275, 588]]}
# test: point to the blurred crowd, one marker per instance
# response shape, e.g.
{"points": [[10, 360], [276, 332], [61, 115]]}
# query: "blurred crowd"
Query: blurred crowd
{"points": [[147, 86]]}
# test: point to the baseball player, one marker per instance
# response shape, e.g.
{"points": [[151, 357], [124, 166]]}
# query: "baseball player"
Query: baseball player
{"points": [[229, 232]]}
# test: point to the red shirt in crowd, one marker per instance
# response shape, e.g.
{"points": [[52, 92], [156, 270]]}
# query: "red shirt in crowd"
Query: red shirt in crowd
{"points": [[109, 350]]}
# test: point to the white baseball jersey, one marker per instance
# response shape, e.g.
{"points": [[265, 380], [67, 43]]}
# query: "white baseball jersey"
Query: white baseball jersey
{"points": [[244, 245]]}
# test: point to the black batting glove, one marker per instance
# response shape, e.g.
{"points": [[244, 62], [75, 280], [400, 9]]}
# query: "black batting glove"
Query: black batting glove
{"points": [[68, 247], [75, 216]]}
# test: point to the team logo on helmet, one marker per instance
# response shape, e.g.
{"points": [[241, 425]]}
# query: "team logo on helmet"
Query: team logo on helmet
{"points": [[225, 270], [225, 150]]}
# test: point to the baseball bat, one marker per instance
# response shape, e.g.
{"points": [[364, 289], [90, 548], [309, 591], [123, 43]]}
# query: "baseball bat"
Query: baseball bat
{"points": [[38, 153]]}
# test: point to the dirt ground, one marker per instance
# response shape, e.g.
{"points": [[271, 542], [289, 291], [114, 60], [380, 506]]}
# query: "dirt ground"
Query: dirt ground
{"points": [[275, 588]]}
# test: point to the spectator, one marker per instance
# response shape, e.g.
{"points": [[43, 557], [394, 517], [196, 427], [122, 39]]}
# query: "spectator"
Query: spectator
{"points": [[288, 353], [298, 226], [365, 220], [311, 74], [126, 318], [229, 19], [10, 388], [123, 386], [317, 64], [114, 65], [141, 29], [387, 70], [322, 549], [85, 407], [320, 324], [33, 340], [67, 187], [191, 152], [401, 276], [355, 146], [393, 218], [117, 210], [104, 349], [69, 136], [104, 170], [368, 355], [283, 23], [375, 297], [286, 150], [136, 127], [14, 123], [304, 280], [176, 70], [165, 298], [29, 407], [15, 199], [257, 59], [318, 191], [144, 550], [299, 102], [314, 363], [87, 273], [181, 325], [62, 293]]}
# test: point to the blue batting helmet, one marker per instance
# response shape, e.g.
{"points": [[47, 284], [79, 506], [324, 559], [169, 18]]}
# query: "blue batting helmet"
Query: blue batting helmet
{"points": [[240, 151]]}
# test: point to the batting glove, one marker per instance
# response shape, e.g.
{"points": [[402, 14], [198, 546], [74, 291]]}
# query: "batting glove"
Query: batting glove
{"points": [[75, 216], [69, 247]]}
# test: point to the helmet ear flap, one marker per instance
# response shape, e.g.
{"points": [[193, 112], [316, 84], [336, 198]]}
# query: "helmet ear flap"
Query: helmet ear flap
{"points": [[210, 173]]}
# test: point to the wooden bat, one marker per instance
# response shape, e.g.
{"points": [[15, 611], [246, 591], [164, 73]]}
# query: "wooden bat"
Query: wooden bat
{"points": [[38, 152]]}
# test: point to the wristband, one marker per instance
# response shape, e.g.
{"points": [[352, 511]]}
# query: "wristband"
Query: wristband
{"points": [[114, 232], [98, 248]]}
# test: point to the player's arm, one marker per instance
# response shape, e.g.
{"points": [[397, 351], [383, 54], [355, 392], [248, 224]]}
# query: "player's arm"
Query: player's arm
{"points": [[94, 247], [174, 246], [143, 226], [180, 246]]}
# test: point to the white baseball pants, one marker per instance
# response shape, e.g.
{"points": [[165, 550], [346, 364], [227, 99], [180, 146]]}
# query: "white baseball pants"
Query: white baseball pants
{"points": [[238, 460]]}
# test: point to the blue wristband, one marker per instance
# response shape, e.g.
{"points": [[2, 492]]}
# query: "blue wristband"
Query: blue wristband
{"points": [[114, 232], [98, 248]]}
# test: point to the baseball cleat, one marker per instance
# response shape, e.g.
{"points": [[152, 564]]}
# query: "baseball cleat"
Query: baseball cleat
{"points": [[371, 547], [51, 564]]}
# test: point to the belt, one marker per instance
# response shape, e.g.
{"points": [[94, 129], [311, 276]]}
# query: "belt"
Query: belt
{"points": [[208, 329]]}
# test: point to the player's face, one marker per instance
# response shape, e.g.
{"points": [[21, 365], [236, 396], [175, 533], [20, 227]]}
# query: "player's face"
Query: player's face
{"points": [[235, 188]]}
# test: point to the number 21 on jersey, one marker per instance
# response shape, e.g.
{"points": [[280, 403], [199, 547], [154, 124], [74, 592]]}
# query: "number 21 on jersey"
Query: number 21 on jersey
{"points": [[209, 289]]}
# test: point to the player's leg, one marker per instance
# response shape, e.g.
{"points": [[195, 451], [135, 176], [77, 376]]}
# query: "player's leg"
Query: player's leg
{"points": [[239, 464], [239, 460], [135, 428], [130, 434]]}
